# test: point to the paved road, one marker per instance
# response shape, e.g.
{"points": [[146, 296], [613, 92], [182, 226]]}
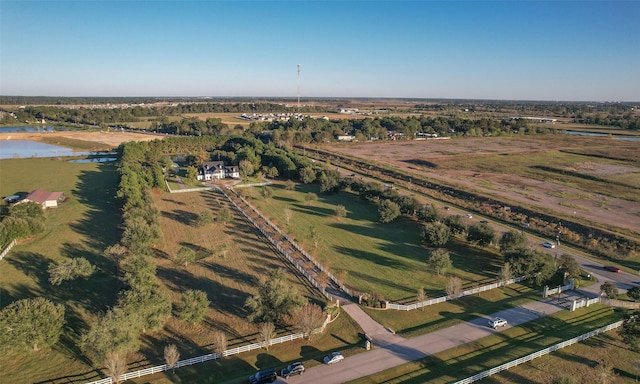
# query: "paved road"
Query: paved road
{"points": [[387, 355]]}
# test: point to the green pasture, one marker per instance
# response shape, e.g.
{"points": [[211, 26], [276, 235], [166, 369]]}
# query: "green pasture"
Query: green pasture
{"points": [[429, 319], [491, 351], [83, 226], [387, 259]]}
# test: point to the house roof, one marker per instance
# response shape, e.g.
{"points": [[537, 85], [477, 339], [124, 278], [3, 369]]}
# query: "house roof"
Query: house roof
{"points": [[40, 196]]}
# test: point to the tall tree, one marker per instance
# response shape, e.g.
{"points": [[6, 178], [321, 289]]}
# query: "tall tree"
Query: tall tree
{"points": [[388, 211], [70, 269], [307, 318], [513, 241], [570, 266], [115, 366], [634, 293], [267, 331], [276, 297], [505, 272], [481, 233], [609, 290], [630, 331], [307, 175], [454, 287], [439, 261], [225, 215], [113, 332], [31, 324], [421, 297], [193, 306], [185, 256], [171, 356], [436, 234], [537, 265], [219, 343]]}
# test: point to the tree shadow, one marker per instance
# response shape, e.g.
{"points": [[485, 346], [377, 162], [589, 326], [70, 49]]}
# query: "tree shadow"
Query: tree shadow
{"points": [[181, 216]]}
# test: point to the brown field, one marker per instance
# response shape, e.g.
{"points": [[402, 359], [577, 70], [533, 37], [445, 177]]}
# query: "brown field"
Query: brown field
{"points": [[109, 139], [505, 168]]}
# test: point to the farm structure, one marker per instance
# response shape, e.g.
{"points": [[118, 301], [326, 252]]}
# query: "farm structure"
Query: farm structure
{"points": [[44, 198]]}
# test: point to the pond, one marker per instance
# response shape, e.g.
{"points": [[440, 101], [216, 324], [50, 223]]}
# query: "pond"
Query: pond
{"points": [[31, 128], [19, 149]]}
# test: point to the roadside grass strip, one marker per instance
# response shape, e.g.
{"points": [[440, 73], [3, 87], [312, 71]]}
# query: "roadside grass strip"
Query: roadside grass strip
{"points": [[491, 351]]}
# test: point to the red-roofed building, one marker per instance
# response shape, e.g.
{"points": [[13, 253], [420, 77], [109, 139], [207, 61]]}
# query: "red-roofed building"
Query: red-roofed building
{"points": [[44, 198]]}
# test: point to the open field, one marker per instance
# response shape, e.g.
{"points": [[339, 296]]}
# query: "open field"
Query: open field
{"points": [[231, 259], [94, 140], [475, 357], [83, 226], [372, 257], [588, 178]]}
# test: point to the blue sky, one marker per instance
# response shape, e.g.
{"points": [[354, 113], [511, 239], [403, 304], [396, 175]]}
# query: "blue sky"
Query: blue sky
{"points": [[525, 50]]}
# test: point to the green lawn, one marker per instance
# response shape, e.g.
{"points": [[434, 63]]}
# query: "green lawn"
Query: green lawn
{"points": [[387, 259], [488, 352], [83, 226]]}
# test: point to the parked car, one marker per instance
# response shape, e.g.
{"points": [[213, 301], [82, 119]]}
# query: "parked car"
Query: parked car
{"points": [[484, 222], [548, 244], [612, 268], [468, 216], [497, 322], [292, 370], [334, 357], [266, 376]]}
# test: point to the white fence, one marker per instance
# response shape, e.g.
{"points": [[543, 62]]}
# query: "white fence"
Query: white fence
{"points": [[540, 353], [546, 292], [611, 302], [294, 244], [402, 307], [201, 359], [7, 249]]}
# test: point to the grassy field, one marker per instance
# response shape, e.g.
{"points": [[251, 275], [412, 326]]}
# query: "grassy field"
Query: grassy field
{"points": [[442, 315], [372, 257], [83, 226], [231, 260], [568, 169], [475, 357]]}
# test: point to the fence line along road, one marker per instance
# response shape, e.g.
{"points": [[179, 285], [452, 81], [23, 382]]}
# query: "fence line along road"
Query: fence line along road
{"points": [[540, 353], [210, 356], [472, 291]]}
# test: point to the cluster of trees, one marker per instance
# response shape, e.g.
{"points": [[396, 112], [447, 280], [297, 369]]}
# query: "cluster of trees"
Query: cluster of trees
{"points": [[142, 305], [278, 302], [20, 221], [102, 116]]}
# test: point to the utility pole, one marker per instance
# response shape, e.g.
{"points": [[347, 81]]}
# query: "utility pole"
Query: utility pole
{"points": [[298, 88]]}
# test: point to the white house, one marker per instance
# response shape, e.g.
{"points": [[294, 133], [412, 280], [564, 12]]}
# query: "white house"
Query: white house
{"points": [[217, 170]]}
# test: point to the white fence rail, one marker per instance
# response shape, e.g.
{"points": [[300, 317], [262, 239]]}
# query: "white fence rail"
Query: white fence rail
{"points": [[199, 359], [402, 307], [277, 244], [211, 356], [7, 249], [540, 353]]}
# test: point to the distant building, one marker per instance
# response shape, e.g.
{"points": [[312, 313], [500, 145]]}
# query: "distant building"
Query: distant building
{"points": [[44, 198], [350, 111], [346, 138]]}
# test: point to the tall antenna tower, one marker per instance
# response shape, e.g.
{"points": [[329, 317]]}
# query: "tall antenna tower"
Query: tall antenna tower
{"points": [[298, 88]]}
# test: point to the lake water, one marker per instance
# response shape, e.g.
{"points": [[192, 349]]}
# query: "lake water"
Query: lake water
{"points": [[19, 149], [31, 128], [594, 134]]}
